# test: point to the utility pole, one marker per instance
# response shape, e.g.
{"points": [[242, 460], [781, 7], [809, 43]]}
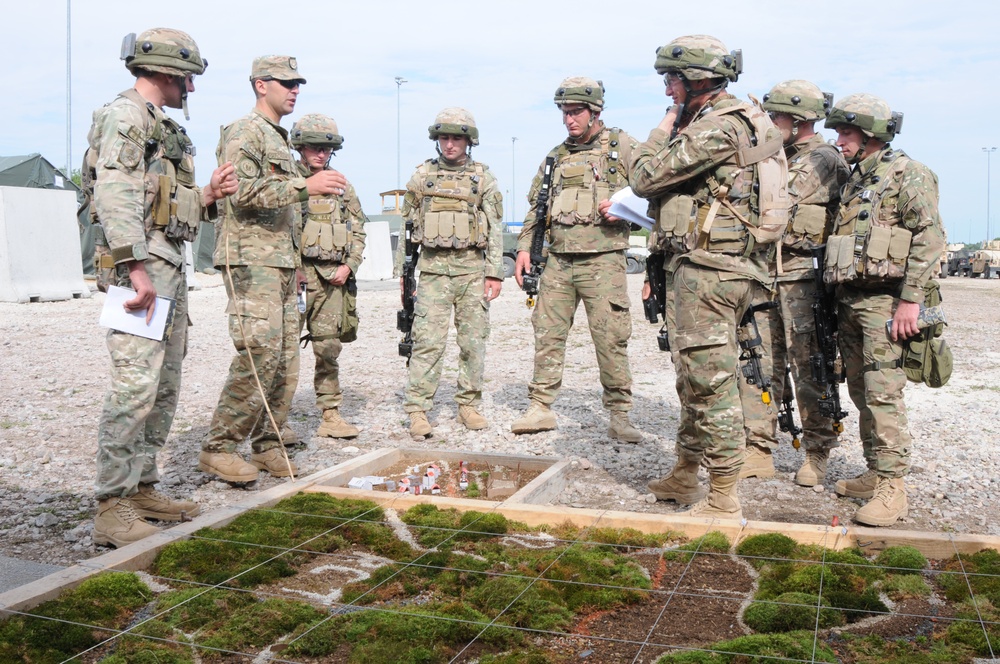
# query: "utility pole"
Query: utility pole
{"points": [[513, 180], [399, 84], [988, 152], [69, 94]]}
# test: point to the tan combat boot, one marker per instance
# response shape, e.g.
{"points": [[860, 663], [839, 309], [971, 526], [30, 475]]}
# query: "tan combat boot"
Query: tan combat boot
{"points": [[621, 428], [275, 462], [334, 426], [288, 437], [813, 470], [757, 462], [681, 485], [888, 505], [862, 486], [226, 466], [721, 502], [470, 417], [117, 523], [419, 426], [151, 504], [538, 417]]}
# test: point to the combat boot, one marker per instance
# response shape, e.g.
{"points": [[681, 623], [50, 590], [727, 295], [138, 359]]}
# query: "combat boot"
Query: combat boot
{"points": [[757, 462], [288, 437], [538, 417], [862, 486], [813, 470], [227, 467], [888, 505], [334, 426], [621, 428], [470, 417], [151, 504], [681, 485], [721, 502], [420, 428], [275, 462], [117, 523]]}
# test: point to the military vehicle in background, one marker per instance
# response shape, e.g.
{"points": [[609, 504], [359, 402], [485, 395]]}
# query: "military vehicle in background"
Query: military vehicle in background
{"points": [[986, 261]]}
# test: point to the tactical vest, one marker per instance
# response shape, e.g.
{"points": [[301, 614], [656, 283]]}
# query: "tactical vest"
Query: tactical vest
{"points": [[810, 222], [327, 229], [451, 207], [869, 243], [744, 201], [173, 204], [581, 180]]}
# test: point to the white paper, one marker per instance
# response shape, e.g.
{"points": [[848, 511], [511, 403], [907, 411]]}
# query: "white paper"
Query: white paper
{"points": [[115, 316], [631, 208]]}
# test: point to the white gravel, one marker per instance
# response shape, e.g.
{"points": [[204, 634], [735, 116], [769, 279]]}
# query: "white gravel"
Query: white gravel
{"points": [[53, 373]]}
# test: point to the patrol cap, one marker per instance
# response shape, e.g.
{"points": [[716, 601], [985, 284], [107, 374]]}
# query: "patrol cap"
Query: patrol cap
{"points": [[276, 68]]}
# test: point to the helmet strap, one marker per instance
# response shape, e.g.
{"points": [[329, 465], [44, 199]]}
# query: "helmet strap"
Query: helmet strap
{"points": [[859, 155], [182, 83]]}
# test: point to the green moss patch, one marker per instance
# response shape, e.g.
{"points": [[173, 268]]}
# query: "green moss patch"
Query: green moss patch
{"points": [[757, 648]]}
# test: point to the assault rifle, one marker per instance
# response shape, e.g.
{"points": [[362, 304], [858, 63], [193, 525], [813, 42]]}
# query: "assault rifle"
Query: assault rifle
{"points": [[529, 281], [786, 411], [404, 317], [748, 337], [827, 366], [655, 305]]}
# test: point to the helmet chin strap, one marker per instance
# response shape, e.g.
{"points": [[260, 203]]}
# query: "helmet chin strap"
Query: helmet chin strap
{"points": [[182, 83], [856, 159]]}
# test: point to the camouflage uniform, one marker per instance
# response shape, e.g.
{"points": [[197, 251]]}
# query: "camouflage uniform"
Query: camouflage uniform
{"points": [[816, 172], [885, 247], [586, 261], [699, 196], [324, 315], [451, 279], [145, 374], [257, 244]]}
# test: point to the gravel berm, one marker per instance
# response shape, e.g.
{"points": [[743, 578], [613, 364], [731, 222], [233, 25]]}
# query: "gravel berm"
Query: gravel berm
{"points": [[54, 371]]}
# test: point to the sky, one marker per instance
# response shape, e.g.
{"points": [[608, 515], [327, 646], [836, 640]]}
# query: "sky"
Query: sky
{"points": [[935, 62]]}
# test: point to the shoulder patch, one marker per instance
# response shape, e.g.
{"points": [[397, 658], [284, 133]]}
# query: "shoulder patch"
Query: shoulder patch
{"points": [[248, 167], [129, 155]]}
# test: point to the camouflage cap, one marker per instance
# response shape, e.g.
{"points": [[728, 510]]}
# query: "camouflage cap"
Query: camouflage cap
{"points": [[163, 50], [454, 121], [317, 130], [800, 99], [868, 113], [699, 56], [276, 68], [581, 90]]}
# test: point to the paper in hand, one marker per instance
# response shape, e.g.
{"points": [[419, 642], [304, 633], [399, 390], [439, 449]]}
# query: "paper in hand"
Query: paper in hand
{"points": [[631, 208], [115, 316]]}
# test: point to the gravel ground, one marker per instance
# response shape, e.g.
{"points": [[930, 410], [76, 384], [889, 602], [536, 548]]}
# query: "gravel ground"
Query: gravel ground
{"points": [[53, 373]]}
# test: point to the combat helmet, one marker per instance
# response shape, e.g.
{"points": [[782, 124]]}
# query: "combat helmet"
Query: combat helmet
{"points": [[699, 56], [316, 130], [454, 121], [163, 50], [800, 99], [868, 113], [581, 90]]}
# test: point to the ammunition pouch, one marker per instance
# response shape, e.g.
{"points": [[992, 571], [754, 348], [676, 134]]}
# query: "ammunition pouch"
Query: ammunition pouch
{"points": [[927, 358]]}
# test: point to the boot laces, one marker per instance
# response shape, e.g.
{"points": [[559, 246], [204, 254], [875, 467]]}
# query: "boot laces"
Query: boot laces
{"points": [[126, 511], [884, 490]]}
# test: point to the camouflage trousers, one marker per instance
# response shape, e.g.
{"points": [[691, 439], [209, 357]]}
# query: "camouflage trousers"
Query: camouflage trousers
{"points": [[707, 310], [437, 296], [789, 338], [598, 280], [263, 299], [324, 311], [140, 404], [873, 379]]}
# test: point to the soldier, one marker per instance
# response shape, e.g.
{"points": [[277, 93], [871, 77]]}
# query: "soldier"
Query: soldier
{"points": [[147, 203], [886, 246], [333, 240], [716, 176], [816, 172], [256, 248], [456, 210], [586, 260]]}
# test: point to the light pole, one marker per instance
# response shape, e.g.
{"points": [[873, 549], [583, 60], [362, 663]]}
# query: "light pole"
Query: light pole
{"points": [[988, 152], [513, 180], [399, 84]]}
